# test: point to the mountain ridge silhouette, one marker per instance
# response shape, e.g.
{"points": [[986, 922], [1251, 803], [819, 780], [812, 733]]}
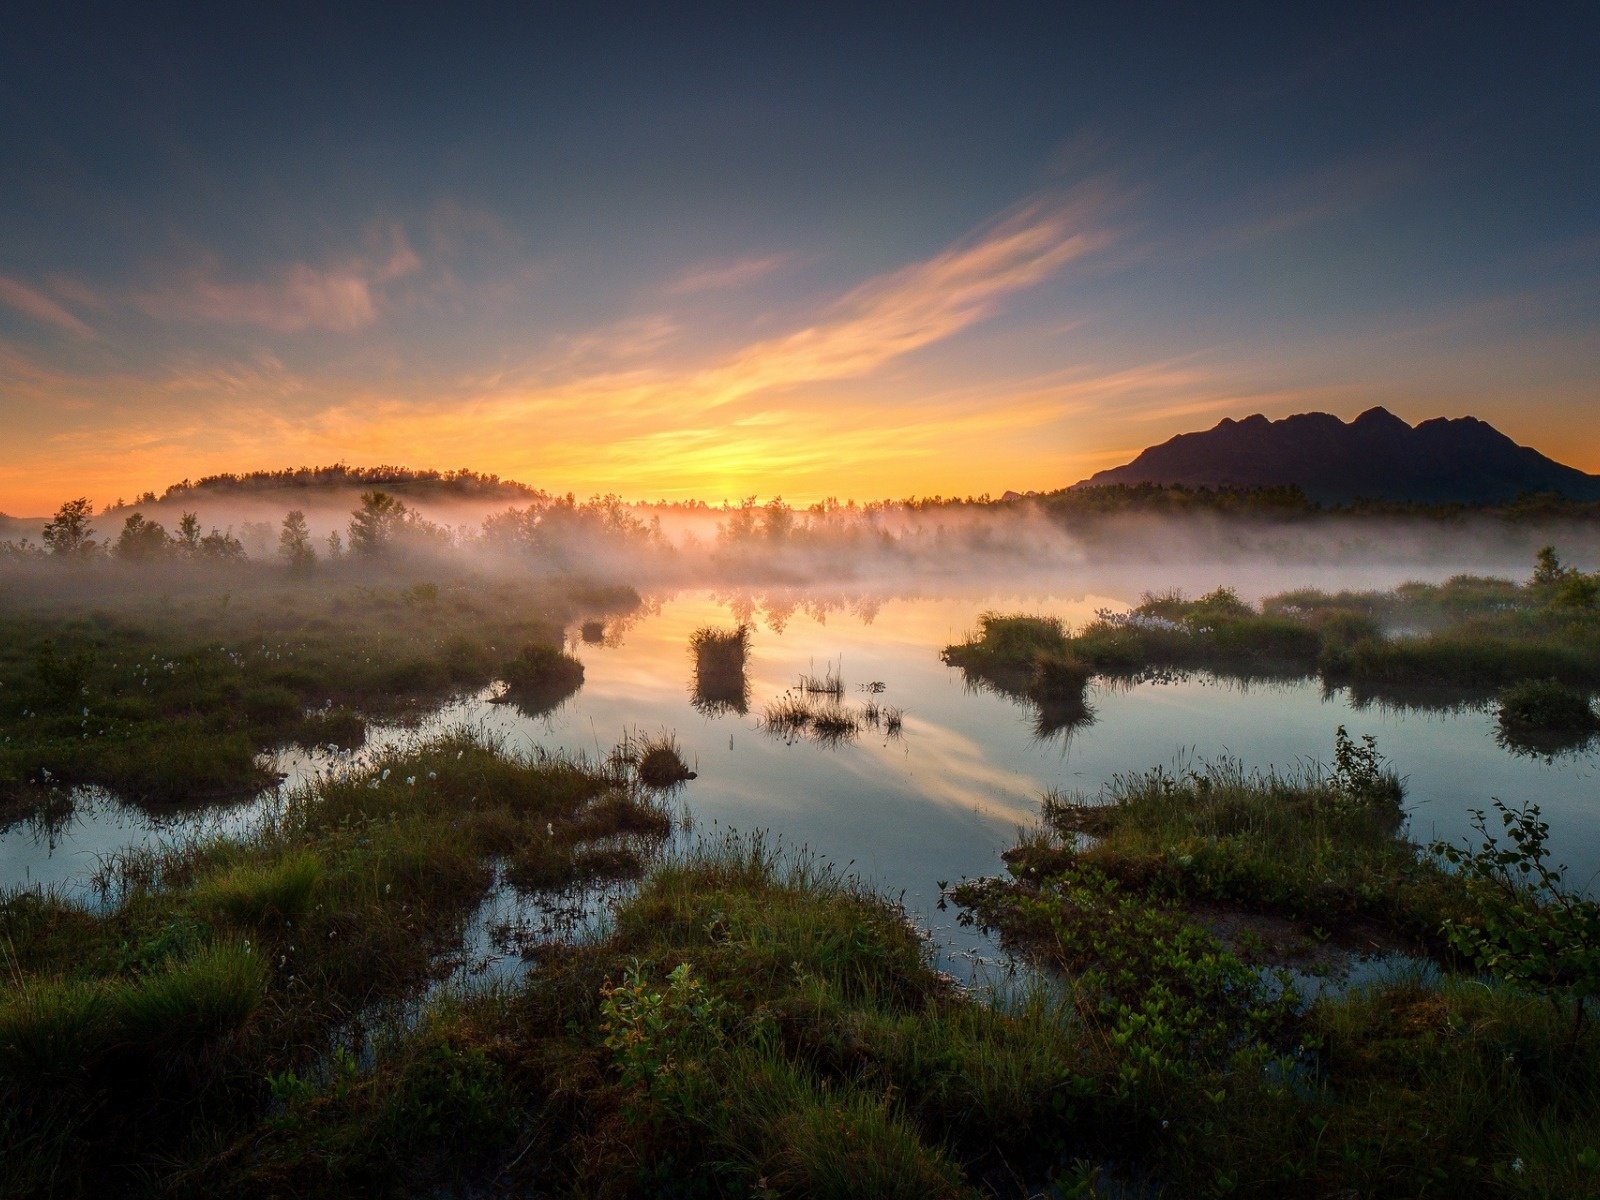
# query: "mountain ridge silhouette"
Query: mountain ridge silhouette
{"points": [[1376, 456]]}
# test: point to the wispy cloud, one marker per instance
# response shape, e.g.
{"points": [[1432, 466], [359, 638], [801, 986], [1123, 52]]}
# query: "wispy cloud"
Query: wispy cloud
{"points": [[1329, 193], [342, 297], [33, 303], [606, 411], [918, 305], [725, 276]]}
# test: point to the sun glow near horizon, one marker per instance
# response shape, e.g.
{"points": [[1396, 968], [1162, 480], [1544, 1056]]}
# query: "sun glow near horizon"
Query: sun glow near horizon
{"points": [[737, 281]]}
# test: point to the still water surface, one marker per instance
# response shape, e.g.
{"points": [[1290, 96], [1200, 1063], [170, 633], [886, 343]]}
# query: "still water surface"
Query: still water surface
{"points": [[943, 799]]}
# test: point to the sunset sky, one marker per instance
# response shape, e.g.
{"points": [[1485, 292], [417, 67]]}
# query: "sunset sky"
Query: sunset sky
{"points": [[779, 249]]}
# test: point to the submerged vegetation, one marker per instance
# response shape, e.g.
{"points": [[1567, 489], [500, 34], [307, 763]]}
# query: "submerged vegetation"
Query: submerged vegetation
{"points": [[814, 708]]}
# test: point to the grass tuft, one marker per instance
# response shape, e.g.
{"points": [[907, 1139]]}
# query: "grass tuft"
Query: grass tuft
{"points": [[256, 894], [720, 684]]}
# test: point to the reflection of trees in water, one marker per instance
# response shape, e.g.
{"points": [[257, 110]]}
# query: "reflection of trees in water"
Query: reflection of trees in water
{"points": [[607, 625], [775, 607]]}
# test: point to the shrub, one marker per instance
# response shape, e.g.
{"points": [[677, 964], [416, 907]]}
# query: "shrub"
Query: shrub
{"points": [[1530, 928], [542, 666]]}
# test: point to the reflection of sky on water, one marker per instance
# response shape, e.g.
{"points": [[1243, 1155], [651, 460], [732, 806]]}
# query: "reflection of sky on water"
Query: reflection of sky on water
{"points": [[944, 799]]}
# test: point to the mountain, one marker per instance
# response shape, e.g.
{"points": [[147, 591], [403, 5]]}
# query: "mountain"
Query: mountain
{"points": [[1377, 456]]}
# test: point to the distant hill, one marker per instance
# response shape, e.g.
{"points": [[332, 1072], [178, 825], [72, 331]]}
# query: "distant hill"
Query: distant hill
{"points": [[340, 478], [1377, 456], [20, 527]]}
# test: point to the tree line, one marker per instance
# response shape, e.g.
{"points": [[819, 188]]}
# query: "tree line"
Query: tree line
{"points": [[378, 524]]}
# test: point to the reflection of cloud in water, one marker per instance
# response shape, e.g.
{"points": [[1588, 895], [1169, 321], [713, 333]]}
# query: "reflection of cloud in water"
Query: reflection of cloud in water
{"points": [[943, 801], [954, 770]]}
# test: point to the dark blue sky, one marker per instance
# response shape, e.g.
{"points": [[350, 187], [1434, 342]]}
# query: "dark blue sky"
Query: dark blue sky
{"points": [[581, 247]]}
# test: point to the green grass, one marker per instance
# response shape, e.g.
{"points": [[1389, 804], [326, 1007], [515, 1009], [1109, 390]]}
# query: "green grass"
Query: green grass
{"points": [[168, 699], [1310, 846], [191, 1001], [752, 1022], [255, 894], [1421, 1084], [1441, 646], [1216, 632], [129, 1032], [1545, 715]]}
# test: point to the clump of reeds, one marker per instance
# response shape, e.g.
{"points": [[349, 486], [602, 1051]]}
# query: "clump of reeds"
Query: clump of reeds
{"points": [[800, 713], [789, 714], [834, 723], [661, 763], [1030, 659], [253, 894], [1544, 704], [720, 656], [1056, 676], [829, 683]]}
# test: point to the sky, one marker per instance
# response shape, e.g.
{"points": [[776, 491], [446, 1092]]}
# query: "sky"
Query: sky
{"points": [[699, 251]]}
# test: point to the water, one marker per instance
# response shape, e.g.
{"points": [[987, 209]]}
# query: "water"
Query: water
{"points": [[941, 801]]}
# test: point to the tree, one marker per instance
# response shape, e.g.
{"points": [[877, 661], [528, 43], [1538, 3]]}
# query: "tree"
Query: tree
{"points": [[142, 540], [335, 547], [219, 545], [189, 535], [1548, 569], [374, 525], [68, 533], [294, 542], [777, 520], [256, 537], [741, 524]]}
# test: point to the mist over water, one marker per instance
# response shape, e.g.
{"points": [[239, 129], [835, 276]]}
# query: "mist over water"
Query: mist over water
{"points": [[943, 799]]}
